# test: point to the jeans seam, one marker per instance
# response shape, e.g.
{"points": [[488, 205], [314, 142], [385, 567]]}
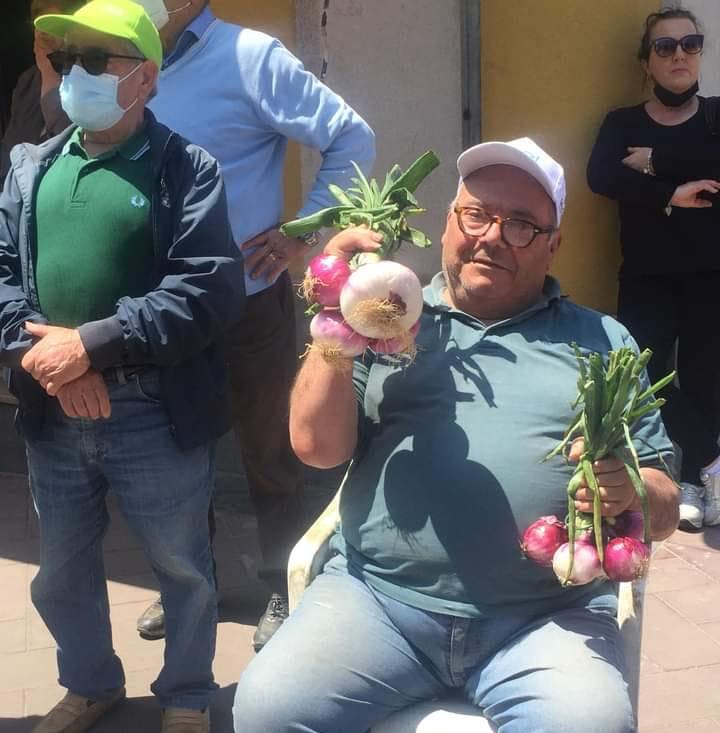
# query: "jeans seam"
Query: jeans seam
{"points": [[457, 670]]}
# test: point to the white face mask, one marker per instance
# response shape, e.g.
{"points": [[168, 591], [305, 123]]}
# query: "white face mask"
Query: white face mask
{"points": [[158, 13], [91, 101]]}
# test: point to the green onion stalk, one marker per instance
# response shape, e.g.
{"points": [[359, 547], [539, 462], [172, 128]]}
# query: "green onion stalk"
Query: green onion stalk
{"points": [[611, 399], [383, 209]]}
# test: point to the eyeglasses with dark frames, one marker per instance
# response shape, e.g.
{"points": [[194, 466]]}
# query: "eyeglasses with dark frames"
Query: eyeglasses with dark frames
{"points": [[94, 61], [475, 222], [691, 44]]}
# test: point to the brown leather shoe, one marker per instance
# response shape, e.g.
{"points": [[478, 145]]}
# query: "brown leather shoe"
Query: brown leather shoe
{"points": [[151, 624], [183, 720], [76, 714]]}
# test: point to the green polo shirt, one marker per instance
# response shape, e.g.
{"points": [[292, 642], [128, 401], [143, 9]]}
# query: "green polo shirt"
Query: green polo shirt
{"points": [[94, 231], [448, 470]]}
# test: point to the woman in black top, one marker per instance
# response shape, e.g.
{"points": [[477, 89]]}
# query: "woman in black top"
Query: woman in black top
{"points": [[659, 160]]}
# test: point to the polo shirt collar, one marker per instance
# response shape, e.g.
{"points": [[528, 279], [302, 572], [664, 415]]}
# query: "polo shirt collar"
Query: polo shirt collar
{"points": [[132, 149], [433, 297]]}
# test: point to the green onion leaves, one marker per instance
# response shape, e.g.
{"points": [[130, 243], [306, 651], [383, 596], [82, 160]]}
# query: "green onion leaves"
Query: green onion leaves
{"points": [[383, 209], [611, 399]]}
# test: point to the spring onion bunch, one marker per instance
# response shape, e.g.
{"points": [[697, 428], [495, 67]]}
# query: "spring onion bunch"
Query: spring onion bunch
{"points": [[611, 399], [384, 210], [379, 301]]}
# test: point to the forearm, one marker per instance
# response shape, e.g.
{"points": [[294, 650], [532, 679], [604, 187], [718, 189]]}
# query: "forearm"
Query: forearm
{"points": [[180, 318], [355, 143], [608, 176], [663, 500], [323, 412], [618, 182], [683, 163]]}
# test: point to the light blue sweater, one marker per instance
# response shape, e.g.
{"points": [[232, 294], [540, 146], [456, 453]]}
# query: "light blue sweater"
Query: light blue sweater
{"points": [[240, 94]]}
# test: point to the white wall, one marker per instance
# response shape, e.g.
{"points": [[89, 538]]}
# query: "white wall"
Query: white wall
{"points": [[398, 63], [708, 12]]}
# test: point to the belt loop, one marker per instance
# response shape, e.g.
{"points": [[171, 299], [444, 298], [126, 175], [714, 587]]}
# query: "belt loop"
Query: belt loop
{"points": [[120, 375]]}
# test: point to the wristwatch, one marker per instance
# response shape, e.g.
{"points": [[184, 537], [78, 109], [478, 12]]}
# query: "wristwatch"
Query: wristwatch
{"points": [[310, 239]]}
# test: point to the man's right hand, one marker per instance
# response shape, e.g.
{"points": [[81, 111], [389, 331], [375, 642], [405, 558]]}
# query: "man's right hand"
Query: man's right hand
{"points": [[350, 241], [86, 397], [43, 45]]}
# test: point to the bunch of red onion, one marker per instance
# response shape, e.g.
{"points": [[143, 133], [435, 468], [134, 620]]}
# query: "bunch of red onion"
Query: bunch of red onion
{"points": [[625, 558], [376, 305], [612, 396]]}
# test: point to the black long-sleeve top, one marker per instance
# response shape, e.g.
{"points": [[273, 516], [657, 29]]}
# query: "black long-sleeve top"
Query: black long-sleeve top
{"points": [[653, 242]]}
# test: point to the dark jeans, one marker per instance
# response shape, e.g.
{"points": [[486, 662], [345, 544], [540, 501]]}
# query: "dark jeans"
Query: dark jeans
{"points": [[658, 310], [164, 494], [262, 357]]}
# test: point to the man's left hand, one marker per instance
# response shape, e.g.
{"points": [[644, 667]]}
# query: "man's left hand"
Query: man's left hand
{"points": [[57, 358], [274, 252], [638, 159], [617, 492]]}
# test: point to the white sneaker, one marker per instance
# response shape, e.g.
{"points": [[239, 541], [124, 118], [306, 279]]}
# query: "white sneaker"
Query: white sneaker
{"points": [[710, 477], [692, 507]]}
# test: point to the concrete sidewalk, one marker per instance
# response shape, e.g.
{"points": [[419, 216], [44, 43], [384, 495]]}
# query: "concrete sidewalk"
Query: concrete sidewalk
{"points": [[681, 639]]}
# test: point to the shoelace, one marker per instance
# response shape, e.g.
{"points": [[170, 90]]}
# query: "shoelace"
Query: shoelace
{"points": [[74, 704], [690, 490], [278, 607], [182, 717]]}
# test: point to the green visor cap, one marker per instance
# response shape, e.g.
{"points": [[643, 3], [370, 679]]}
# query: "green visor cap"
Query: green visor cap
{"points": [[120, 18]]}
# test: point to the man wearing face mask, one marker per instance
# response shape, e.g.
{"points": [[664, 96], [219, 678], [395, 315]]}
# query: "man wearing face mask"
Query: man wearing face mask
{"points": [[249, 95], [118, 271], [35, 113]]}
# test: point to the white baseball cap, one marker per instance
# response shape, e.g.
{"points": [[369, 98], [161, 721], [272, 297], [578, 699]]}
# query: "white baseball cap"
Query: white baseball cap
{"points": [[522, 153]]}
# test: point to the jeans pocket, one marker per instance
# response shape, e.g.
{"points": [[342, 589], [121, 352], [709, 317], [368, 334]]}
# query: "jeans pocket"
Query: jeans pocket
{"points": [[148, 386]]}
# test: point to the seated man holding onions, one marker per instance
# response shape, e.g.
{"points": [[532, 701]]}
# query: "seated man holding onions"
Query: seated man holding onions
{"points": [[429, 591]]}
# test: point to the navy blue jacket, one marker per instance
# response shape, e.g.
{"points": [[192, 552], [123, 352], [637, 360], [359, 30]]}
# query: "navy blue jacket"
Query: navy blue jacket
{"points": [[176, 326]]}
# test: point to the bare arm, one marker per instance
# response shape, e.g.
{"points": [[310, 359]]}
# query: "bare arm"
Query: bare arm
{"points": [[323, 403], [323, 412], [663, 498]]}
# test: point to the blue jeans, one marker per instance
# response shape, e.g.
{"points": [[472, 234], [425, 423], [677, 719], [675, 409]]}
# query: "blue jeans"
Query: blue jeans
{"points": [[348, 657], [164, 495]]}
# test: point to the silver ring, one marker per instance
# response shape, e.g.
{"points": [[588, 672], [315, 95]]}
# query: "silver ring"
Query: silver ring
{"points": [[273, 257]]}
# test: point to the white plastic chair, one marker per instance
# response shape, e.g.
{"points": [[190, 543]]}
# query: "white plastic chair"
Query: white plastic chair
{"points": [[449, 714]]}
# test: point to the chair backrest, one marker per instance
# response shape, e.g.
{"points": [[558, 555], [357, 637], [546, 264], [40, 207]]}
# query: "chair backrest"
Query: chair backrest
{"points": [[312, 552]]}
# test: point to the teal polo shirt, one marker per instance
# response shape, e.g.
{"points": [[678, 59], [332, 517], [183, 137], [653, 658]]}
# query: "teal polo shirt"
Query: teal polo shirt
{"points": [[448, 471], [94, 231]]}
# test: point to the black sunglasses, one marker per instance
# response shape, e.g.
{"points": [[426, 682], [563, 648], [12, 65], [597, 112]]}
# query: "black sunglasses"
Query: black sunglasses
{"points": [[94, 61], [692, 44]]}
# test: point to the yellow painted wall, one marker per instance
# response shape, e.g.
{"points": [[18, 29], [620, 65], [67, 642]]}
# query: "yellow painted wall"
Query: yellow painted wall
{"points": [[276, 17], [551, 69]]}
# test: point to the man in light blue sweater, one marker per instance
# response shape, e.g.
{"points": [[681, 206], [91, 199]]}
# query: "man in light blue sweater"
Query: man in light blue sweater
{"points": [[241, 95]]}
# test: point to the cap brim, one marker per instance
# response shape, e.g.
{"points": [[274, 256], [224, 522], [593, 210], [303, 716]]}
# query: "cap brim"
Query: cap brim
{"points": [[498, 153], [60, 25]]}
